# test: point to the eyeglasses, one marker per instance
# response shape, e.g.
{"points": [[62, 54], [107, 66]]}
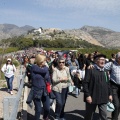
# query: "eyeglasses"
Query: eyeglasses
{"points": [[62, 62]]}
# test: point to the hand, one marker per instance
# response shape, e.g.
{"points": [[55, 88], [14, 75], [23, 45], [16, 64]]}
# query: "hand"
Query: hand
{"points": [[65, 78], [90, 67], [89, 99], [110, 98]]}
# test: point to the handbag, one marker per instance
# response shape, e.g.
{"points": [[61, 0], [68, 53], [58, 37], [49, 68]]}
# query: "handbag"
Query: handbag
{"points": [[71, 88], [49, 90], [110, 107]]}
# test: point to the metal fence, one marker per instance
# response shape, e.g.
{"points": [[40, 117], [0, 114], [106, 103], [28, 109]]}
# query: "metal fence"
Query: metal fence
{"points": [[11, 104]]}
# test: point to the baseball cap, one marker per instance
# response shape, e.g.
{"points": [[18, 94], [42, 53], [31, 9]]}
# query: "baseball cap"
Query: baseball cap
{"points": [[9, 59], [99, 55]]}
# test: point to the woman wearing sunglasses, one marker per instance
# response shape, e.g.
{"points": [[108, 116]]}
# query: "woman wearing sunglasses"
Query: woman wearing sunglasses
{"points": [[61, 77]]}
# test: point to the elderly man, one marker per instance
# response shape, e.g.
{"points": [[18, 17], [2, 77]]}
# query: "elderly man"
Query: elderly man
{"points": [[115, 84], [97, 91]]}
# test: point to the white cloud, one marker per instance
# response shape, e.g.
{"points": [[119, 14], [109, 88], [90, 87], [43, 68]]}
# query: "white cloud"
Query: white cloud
{"points": [[102, 6]]}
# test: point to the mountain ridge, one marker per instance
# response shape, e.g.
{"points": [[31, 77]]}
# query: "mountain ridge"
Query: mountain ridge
{"points": [[93, 34]]}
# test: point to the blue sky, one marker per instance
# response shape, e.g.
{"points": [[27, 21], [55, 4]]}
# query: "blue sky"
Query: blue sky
{"points": [[63, 14]]}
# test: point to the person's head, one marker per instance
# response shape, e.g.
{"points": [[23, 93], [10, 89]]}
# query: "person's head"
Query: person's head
{"points": [[100, 60], [61, 62], [9, 61], [113, 55], [73, 57], [118, 57], [90, 56], [48, 59], [40, 60], [53, 55]]}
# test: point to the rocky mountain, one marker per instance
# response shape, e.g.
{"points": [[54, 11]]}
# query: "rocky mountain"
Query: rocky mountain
{"points": [[10, 30], [80, 34], [95, 35], [107, 37]]}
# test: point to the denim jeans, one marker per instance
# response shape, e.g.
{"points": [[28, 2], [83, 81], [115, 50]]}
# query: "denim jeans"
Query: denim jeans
{"points": [[38, 108], [77, 91], [60, 103], [10, 82]]}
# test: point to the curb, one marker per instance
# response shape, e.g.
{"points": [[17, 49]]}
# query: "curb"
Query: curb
{"points": [[24, 111]]}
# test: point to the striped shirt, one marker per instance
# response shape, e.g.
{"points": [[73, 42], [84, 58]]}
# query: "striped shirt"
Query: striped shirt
{"points": [[114, 69]]}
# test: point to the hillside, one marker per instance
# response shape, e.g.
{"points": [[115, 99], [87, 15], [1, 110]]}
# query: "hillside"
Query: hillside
{"points": [[84, 36], [107, 37], [10, 30], [95, 35]]}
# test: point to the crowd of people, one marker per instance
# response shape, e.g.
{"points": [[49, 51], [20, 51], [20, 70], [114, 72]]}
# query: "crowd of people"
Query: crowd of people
{"points": [[54, 72]]}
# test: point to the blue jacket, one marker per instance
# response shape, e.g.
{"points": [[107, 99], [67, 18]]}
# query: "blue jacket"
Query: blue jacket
{"points": [[71, 67], [39, 76]]}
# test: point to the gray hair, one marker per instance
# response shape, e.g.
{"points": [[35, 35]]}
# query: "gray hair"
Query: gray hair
{"points": [[117, 55], [61, 58]]}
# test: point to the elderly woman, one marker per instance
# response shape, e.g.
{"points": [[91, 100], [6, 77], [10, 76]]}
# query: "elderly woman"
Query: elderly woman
{"points": [[61, 78], [40, 77], [8, 69]]}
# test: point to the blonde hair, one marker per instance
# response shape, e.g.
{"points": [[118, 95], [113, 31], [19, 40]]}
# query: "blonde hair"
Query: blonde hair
{"points": [[39, 59]]}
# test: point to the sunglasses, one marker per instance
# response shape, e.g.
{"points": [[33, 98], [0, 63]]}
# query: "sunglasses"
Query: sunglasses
{"points": [[8, 61], [62, 62]]}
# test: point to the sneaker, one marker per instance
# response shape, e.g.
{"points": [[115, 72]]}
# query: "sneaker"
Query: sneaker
{"points": [[8, 90], [11, 92]]}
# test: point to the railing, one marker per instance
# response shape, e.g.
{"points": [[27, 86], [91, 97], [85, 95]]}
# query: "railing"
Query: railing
{"points": [[11, 104]]}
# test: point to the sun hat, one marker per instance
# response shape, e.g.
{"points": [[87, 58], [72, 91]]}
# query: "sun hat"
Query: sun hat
{"points": [[110, 107]]}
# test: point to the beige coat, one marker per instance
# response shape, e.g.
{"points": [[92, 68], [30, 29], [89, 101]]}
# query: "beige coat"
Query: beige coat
{"points": [[59, 74]]}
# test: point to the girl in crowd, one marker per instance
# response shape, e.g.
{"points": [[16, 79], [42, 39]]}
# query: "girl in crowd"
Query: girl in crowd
{"points": [[8, 69]]}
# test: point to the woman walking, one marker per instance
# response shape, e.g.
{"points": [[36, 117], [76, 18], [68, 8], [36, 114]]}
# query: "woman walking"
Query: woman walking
{"points": [[60, 78], [8, 69], [40, 78]]}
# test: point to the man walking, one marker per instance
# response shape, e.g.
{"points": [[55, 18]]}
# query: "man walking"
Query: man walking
{"points": [[97, 91], [114, 68]]}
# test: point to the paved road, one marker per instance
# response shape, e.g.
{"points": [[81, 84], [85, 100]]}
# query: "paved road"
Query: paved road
{"points": [[74, 109]]}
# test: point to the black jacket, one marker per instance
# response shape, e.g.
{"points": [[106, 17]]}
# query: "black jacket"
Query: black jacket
{"points": [[97, 85]]}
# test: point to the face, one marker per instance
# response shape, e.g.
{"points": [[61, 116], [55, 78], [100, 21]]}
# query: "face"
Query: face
{"points": [[8, 61], [100, 62], [61, 64]]}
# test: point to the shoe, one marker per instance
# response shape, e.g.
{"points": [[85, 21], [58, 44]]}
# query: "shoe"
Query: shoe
{"points": [[76, 96], [46, 118], [8, 90], [11, 92]]}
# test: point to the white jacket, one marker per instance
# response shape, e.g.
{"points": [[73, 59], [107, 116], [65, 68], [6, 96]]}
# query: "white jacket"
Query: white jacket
{"points": [[8, 70]]}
